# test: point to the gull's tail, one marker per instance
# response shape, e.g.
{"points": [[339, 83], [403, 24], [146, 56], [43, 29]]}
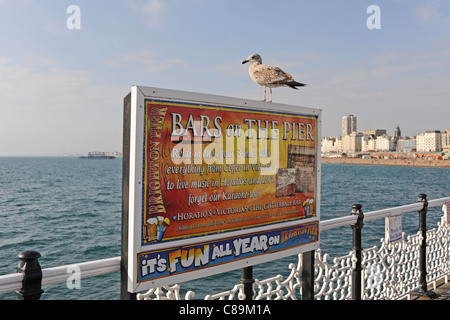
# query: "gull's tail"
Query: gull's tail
{"points": [[294, 84]]}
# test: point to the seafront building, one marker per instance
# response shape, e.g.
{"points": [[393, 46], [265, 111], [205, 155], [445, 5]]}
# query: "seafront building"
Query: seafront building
{"points": [[386, 143], [368, 143], [352, 142], [330, 145], [429, 141], [406, 144], [445, 140]]}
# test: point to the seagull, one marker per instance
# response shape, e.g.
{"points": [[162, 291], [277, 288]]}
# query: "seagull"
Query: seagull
{"points": [[269, 76]]}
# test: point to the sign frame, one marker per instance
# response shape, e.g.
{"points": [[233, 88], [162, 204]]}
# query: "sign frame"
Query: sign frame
{"points": [[133, 244]]}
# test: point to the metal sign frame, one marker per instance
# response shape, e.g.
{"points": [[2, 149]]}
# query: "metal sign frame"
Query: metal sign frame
{"points": [[156, 248]]}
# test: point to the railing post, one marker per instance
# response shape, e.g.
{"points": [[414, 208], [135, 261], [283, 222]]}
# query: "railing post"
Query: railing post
{"points": [[423, 246], [32, 275], [248, 281], [357, 248], [308, 275]]}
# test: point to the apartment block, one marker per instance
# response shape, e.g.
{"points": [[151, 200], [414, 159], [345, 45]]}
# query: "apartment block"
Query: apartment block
{"points": [[352, 142], [385, 143], [348, 125], [445, 141], [331, 145], [430, 141], [406, 144]]}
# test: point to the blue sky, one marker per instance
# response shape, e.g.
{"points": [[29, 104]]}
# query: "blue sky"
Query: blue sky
{"points": [[61, 90]]}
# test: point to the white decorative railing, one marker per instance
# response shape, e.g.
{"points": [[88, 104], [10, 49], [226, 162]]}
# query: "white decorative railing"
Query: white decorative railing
{"points": [[389, 272], [238, 290], [166, 293], [333, 281]]}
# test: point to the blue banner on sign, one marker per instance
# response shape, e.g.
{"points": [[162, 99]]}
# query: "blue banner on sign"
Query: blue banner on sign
{"points": [[167, 262]]}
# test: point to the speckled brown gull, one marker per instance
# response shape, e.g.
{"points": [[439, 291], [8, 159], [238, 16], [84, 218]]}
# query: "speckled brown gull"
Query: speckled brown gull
{"points": [[269, 76]]}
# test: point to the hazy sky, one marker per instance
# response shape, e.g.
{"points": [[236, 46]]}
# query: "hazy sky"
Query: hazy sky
{"points": [[62, 89]]}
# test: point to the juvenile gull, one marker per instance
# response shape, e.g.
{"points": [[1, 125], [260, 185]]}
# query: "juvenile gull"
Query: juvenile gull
{"points": [[268, 76]]}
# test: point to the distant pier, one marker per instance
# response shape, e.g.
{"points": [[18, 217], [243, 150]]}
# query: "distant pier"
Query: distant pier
{"points": [[98, 155]]}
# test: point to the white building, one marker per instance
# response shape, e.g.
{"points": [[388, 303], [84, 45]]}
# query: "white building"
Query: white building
{"points": [[406, 144], [331, 145], [352, 142], [430, 141], [445, 140], [368, 143], [384, 143]]}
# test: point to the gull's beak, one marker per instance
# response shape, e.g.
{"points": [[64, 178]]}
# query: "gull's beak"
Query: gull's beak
{"points": [[245, 61]]}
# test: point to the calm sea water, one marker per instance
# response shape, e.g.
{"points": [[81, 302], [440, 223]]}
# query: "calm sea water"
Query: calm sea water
{"points": [[69, 210]]}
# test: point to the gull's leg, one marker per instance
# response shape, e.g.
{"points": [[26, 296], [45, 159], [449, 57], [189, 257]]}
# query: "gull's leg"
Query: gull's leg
{"points": [[264, 93], [270, 92]]}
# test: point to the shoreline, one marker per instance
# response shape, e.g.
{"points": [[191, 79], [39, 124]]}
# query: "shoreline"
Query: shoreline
{"points": [[390, 162]]}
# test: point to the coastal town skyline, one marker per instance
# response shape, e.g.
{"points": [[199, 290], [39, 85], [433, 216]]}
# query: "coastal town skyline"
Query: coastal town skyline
{"points": [[353, 140], [399, 124]]}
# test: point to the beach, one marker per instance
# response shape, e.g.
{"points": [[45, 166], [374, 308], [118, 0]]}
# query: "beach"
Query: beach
{"points": [[412, 162]]}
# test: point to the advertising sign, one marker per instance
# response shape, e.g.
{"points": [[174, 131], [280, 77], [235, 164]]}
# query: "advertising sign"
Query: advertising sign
{"points": [[179, 260], [446, 209], [218, 183]]}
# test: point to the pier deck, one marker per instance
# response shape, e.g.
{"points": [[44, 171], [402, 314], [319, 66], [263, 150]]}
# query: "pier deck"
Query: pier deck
{"points": [[442, 293]]}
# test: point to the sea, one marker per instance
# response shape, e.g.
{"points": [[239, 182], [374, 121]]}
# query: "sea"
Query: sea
{"points": [[69, 210]]}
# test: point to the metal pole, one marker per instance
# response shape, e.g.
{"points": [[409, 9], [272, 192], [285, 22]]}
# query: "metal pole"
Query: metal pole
{"points": [[247, 280], [308, 275], [423, 246], [32, 275], [357, 248]]}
